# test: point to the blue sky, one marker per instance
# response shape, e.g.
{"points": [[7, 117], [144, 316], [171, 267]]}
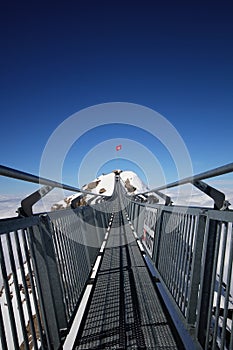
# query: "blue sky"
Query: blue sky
{"points": [[175, 57]]}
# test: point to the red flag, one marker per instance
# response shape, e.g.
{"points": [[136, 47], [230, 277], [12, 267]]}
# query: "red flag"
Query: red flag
{"points": [[118, 148]]}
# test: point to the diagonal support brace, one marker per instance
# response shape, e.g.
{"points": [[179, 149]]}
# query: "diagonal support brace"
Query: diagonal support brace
{"points": [[167, 199], [219, 198], [28, 202]]}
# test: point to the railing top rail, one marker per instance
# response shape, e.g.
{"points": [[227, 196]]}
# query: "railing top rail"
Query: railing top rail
{"points": [[225, 169], [173, 208], [21, 175], [16, 223]]}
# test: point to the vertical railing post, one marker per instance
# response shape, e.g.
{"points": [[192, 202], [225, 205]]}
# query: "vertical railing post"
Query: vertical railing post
{"points": [[47, 278], [140, 221], [138, 218], [195, 273], [129, 208], [132, 213], [206, 283], [3, 341], [157, 236]]}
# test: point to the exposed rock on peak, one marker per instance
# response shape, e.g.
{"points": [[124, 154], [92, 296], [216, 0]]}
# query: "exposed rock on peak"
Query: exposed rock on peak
{"points": [[92, 185], [130, 188], [103, 185]]}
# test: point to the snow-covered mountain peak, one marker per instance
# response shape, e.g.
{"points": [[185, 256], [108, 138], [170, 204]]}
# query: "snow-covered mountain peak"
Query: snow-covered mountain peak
{"points": [[129, 178], [103, 185]]}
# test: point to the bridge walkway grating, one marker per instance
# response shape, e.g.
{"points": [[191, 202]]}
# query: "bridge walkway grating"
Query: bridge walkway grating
{"points": [[125, 311]]}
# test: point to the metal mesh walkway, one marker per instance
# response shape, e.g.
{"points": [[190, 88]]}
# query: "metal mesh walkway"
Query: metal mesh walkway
{"points": [[125, 311]]}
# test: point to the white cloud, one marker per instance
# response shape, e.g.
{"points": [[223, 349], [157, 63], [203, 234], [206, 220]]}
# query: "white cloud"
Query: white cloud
{"points": [[189, 195], [179, 195], [10, 203]]}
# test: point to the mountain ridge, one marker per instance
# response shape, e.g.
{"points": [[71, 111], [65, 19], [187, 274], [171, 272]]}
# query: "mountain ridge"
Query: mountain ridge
{"points": [[103, 185]]}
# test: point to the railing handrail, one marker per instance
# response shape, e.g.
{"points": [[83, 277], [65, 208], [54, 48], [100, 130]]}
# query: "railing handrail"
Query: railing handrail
{"points": [[225, 169], [21, 175], [190, 249]]}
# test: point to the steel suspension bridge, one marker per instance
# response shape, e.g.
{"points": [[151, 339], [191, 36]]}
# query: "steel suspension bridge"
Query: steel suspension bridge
{"points": [[119, 274]]}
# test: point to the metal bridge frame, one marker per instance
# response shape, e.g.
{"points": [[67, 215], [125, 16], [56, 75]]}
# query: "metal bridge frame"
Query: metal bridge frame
{"points": [[188, 251]]}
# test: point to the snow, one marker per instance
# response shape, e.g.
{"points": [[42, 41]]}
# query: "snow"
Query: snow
{"points": [[5, 313], [179, 196], [134, 180], [188, 195], [106, 181], [104, 184]]}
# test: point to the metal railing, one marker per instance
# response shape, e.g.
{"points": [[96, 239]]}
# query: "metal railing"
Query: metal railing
{"points": [[45, 263], [191, 250], [46, 260]]}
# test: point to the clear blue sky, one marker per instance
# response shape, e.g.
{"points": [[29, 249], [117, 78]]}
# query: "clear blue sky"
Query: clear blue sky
{"points": [[57, 58]]}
